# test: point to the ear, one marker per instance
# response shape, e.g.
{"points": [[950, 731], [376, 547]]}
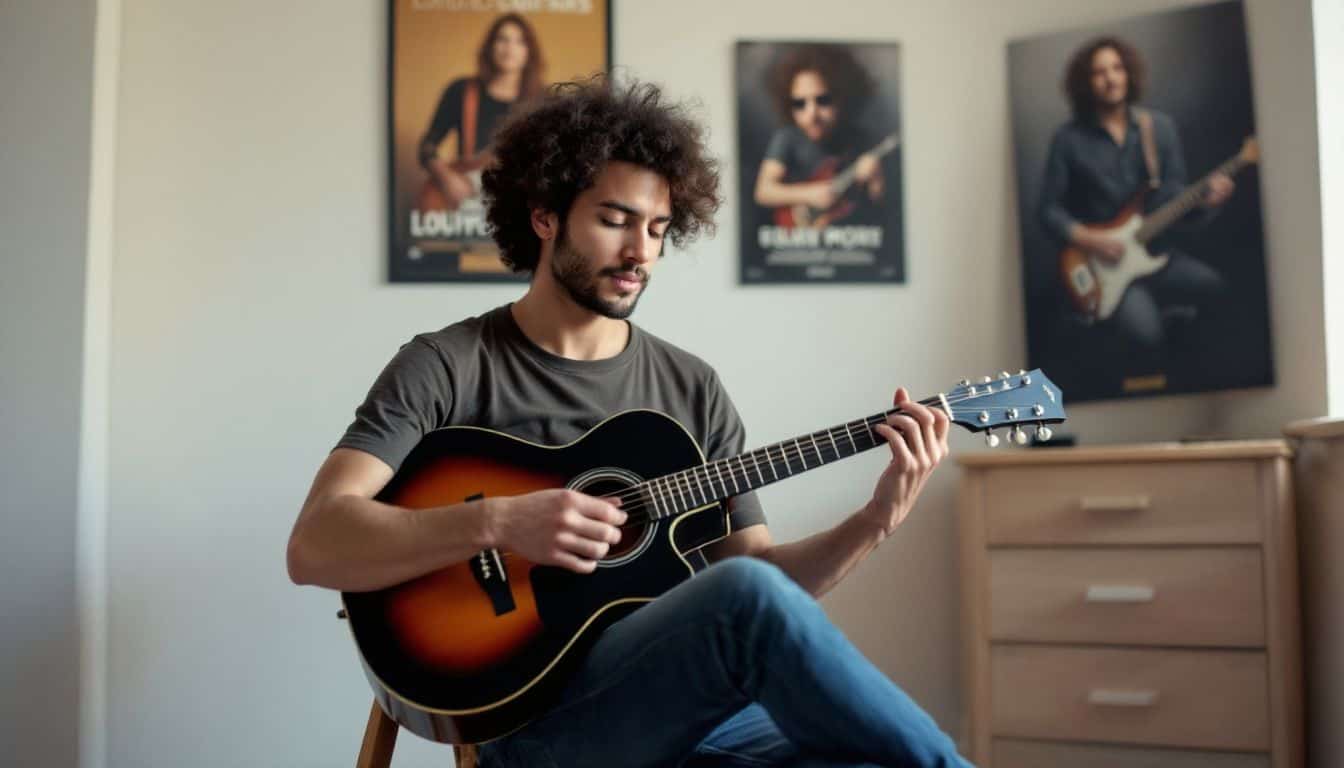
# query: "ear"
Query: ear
{"points": [[545, 224]]}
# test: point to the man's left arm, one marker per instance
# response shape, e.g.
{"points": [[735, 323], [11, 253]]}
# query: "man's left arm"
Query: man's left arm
{"points": [[917, 438]]}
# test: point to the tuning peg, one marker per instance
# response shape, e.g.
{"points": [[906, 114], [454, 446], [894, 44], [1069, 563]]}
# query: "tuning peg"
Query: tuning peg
{"points": [[1019, 436], [1005, 375], [1044, 434], [992, 440], [986, 380], [965, 382]]}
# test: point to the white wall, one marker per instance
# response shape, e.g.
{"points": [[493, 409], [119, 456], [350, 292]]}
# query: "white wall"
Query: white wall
{"points": [[249, 316], [1328, 31], [46, 75]]}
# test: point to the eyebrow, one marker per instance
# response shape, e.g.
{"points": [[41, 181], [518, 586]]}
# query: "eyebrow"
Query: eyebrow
{"points": [[631, 211]]}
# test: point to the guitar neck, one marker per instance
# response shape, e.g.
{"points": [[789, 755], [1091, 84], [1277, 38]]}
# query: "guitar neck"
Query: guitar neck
{"points": [[1169, 214], [844, 180], [718, 480]]}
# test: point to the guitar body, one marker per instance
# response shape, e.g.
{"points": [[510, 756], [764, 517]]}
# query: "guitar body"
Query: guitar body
{"points": [[1095, 285], [431, 196], [807, 216], [476, 650]]}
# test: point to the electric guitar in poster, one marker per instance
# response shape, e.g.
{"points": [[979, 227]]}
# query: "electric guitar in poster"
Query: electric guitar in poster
{"points": [[1096, 285], [841, 180]]}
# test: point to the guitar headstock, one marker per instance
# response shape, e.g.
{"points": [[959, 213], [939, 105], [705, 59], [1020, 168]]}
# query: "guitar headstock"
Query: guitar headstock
{"points": [[1026, 398], [1250, 151]]}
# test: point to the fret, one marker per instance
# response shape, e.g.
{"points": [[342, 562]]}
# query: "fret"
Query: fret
{"points": [[831, 435], [771, 462], [746, 476], [851, 438], [691, 481], [755, 462], [813, 438], [653, 498], [801, 457], [719, 469]]}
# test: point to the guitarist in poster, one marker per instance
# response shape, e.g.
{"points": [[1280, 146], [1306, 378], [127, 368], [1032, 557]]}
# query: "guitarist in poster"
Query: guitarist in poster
{"points": [[817, 90], [1110, 153], [739, 663], [510, 68]]}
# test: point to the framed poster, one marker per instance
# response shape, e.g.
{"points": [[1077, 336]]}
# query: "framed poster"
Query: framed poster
{"points": [[819, 145], [1143, 259], [455, 71]]}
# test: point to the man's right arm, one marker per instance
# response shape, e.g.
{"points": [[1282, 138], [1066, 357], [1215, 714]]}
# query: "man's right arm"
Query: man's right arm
{"points": [[344, 539]]}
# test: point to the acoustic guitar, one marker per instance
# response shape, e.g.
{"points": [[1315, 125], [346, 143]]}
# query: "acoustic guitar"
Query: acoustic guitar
{"points": [[1096, 285], [475, 650], [806, 216]]}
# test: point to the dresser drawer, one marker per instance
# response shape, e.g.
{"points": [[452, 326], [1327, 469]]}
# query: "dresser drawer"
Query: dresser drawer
{"points": [[1140, 503], [1178, 596], [1201, 699], [1009, 753]]}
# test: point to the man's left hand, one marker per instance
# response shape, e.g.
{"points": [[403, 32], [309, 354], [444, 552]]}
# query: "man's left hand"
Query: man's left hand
{"points": [[917, 436], [1219, 190]]}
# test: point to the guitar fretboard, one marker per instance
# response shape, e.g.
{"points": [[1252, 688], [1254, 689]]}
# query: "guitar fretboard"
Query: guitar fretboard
{"points": [[1180, 205], [717, 480]]}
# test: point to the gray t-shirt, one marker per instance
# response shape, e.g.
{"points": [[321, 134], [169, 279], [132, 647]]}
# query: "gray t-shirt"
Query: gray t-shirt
{"points": [[484, 372]]}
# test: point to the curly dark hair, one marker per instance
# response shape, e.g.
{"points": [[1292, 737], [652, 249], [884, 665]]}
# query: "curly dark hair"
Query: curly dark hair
{"points": [[1078, 75], [552, 149], [849, 83]]}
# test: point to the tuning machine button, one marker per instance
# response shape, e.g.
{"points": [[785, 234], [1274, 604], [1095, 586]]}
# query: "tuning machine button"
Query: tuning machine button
{"points": [[1043, 433], [992, 440], [1019, 436]]}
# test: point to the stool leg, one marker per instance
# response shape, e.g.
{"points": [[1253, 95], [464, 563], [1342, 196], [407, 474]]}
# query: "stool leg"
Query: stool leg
{"points": [[466, 756], [380, 736]]}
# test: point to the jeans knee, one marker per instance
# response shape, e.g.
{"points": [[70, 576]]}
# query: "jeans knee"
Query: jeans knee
{"points": [[750, 583]]}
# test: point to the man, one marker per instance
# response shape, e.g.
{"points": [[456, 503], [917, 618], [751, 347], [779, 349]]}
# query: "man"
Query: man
{"points": [[738, 663], [1096, 166], [817, 90]]}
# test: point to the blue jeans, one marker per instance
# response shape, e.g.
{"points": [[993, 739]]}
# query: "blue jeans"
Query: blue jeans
{"points": [[737, 666]]}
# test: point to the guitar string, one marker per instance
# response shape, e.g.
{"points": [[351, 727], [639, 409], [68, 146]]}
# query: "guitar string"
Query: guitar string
{"points": [[680, 483], [790, 452], [683, 486]]}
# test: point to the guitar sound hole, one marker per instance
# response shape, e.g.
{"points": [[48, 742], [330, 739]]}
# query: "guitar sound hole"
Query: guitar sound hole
{"points": [[634, 537]]}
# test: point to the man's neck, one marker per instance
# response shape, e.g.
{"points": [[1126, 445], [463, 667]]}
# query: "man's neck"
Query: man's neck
{"points": [[552, 321]]}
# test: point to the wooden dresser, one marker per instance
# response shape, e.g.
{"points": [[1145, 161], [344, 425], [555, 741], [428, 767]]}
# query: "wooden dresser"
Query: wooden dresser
{"points": [[1131, 607]]}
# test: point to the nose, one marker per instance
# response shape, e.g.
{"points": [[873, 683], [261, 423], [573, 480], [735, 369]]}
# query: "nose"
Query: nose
{"points": [[640, 246]]}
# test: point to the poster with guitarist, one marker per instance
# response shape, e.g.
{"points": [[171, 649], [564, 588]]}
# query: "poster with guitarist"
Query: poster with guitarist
{"points": [[456, 70], [1143, 251], [820, 175]]}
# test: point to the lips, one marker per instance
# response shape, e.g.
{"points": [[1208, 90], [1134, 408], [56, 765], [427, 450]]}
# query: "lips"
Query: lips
{"points": [[627, 281]]}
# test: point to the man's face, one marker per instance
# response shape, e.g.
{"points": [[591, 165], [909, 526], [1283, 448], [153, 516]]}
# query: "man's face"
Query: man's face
{"points": [[1110, 81], [812, 105], [612, 238]]}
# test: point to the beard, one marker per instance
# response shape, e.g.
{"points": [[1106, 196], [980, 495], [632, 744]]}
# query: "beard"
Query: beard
{"points": [[568, 267]]}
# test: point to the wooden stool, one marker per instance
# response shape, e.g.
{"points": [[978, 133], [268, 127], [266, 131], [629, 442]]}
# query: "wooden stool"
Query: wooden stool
{"points": [[380, 736]]}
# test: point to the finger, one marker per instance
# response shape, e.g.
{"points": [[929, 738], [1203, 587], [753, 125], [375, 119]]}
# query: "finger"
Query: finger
{"points": [[928, 440], [595, 530], [913, 432], [942, 427], [570, 562], [601, 509], [587, 549], [900, 452]]}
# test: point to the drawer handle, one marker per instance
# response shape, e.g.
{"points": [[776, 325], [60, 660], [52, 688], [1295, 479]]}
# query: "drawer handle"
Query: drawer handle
{"points": [[1119, 593], [1109, 697], [1114, 503]]}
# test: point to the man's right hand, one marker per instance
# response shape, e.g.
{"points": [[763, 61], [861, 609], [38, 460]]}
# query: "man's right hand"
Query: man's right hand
{"points": [[557, 527], [1108, 248]]}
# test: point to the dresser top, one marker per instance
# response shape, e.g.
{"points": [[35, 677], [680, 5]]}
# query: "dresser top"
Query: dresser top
{"points": [[1099, 454]]}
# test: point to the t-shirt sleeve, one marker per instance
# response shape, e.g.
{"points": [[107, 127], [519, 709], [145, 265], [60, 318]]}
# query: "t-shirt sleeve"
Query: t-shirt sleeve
{"points": [[412, 396], [726, 438], [780, 147]]}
